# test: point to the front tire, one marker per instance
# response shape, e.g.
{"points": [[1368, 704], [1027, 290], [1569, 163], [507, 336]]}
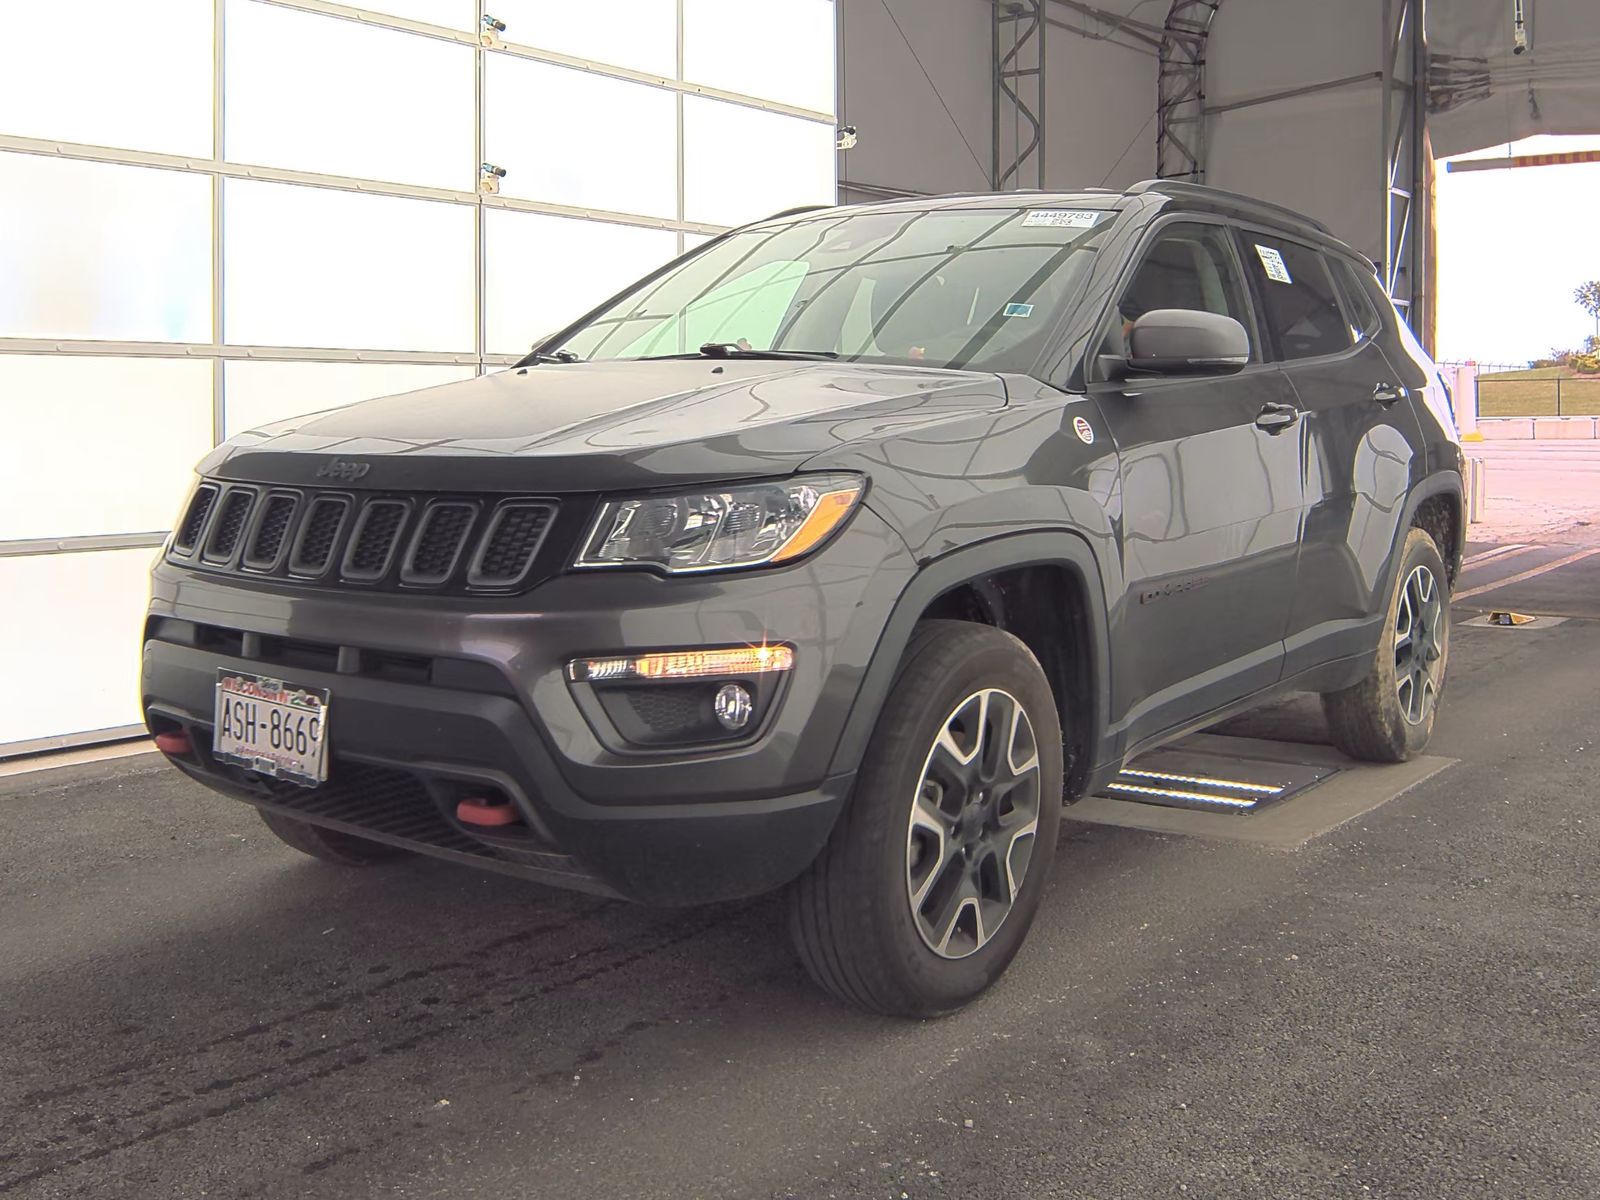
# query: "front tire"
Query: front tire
{"points": [[929, 883], [1388, 716], [329, 845]]}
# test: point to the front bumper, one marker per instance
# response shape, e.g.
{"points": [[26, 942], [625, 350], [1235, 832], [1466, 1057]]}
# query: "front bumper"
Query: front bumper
{"points": [[434, 699]]}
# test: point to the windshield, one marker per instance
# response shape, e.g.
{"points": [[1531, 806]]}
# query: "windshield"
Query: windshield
{"points": [[969, 287]]}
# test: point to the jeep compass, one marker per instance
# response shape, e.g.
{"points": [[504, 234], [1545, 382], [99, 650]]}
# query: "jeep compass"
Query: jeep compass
{"points": [[835, 556]]}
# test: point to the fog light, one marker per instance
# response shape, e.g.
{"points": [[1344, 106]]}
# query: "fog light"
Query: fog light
{"points": [[733, 706]]}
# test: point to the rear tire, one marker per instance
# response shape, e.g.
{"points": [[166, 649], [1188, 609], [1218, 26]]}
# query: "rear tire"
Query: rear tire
{"points": [[928, 885], [1389, 715], [345, 849]]}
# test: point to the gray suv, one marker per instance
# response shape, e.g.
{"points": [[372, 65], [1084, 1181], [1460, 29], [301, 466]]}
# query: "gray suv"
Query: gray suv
{"points": [[833, 556]]}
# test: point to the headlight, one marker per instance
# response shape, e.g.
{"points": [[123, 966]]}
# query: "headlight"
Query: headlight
{"points": [[743, 526]]}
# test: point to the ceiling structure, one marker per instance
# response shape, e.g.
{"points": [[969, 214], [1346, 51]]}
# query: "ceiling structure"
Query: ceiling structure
{"points": [[1335, 108]]}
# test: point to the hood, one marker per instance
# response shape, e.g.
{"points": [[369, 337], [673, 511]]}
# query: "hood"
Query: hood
{"points": [[606, 425]]}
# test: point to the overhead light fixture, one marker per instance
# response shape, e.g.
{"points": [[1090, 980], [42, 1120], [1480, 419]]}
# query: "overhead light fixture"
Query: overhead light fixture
{"points": [[1519, 27]]}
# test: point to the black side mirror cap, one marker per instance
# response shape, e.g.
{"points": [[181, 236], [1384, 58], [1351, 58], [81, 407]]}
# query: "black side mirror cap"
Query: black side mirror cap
{"points": [[1182, 341]]}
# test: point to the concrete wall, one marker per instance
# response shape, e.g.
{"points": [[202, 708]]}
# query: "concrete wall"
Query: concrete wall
{"points": [[1099, 99]]}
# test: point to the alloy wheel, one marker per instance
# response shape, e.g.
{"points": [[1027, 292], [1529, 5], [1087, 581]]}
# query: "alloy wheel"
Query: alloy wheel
{"points": [[1419, 631], [973, 823]]}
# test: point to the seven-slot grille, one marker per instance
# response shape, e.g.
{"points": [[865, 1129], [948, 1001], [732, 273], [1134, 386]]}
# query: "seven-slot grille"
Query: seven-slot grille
{"points": [[313, 535]]}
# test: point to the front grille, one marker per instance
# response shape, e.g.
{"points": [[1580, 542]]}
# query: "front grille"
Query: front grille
{"points": [[509, 547], [378, 798], [372, 544], [223, 537], [318, 534], [374, 540], [267, 539], [436, 546], [195, 519]]}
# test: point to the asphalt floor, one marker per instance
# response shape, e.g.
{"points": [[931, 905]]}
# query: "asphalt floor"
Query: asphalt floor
{"points": [[1405, 1006]]}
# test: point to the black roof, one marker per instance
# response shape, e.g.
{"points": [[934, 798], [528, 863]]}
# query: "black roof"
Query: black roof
{"points": [[1182, 194]]}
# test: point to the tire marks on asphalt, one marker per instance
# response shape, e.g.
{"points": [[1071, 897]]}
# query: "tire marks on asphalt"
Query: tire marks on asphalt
{"points": [[112, 1092]]}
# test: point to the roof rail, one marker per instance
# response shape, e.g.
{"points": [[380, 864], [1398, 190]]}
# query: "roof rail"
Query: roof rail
{"points": [[792, 212], [1199, 191]]}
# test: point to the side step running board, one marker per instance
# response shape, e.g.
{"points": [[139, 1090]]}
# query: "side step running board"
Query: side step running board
{"points": [[1212, 782]]}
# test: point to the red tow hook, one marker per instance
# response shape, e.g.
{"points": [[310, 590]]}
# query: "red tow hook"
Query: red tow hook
{"points": [[486, 812], [174, 742]]}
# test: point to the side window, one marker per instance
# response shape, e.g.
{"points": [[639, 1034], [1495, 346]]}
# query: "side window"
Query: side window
{"points": [[1364, 319], [1188, 266], [1301, 300]]}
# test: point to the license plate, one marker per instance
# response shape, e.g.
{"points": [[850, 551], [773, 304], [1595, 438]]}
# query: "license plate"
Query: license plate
{"points": [[275, 728]]}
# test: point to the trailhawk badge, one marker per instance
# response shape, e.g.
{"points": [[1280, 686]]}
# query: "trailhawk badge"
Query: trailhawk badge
{"points": [[1084, 430]]}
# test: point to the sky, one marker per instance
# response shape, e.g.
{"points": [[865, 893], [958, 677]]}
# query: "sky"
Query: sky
{"points": [[1513, 244]]}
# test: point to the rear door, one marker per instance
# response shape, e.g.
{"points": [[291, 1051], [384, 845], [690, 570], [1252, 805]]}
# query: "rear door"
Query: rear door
{"points": [[1360, 442], [1210, 498]]}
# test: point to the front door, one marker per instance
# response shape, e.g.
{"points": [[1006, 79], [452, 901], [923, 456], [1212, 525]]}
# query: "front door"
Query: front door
{"points": [[1210, 502]]}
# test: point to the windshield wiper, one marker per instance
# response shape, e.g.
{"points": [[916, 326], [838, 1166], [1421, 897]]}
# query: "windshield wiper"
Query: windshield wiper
{"points": [[734, 350], [560, 356]]}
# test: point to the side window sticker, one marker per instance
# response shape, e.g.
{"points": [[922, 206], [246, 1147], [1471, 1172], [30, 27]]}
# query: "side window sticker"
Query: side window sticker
{"points": [[1272, 262]]}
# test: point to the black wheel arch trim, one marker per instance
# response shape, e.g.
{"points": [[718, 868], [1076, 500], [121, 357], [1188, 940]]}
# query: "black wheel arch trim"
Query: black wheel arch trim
{"points": [[1024, 549], [1439, 483]]}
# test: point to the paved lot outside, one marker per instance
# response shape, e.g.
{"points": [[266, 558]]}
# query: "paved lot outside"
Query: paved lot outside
{"points": [[1407, 1007], [1540, 491]]}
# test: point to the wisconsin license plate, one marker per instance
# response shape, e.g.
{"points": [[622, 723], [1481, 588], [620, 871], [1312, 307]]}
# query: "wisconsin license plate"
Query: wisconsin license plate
{"points": [[272, 727]]}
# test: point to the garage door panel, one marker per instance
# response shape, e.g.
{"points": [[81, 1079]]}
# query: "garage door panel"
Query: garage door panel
{"points": [[95, 250], [98, 445], [70, 641]]}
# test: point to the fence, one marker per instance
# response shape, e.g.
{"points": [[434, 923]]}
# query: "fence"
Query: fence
{"points": [[1518, 391]]}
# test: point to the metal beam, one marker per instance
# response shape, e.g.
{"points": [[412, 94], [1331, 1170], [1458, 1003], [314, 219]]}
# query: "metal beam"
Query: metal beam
{"points": [[1309, 89], [1565, 159], [212, 350], [338, 183], [1150, 35], [77, 545], [1180, 90], [1017, 43], [1406, 200], [514, 49]]}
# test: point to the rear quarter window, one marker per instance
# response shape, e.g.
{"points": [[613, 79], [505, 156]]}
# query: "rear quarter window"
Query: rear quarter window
{"points": [[1299, 295], [1357, 285]]}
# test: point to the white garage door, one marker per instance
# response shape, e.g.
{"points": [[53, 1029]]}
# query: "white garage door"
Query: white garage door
{"points": [[218, 213]]}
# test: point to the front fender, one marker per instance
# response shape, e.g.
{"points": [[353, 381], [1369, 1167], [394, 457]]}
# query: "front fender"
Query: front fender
{"points": [[1057, 547]]}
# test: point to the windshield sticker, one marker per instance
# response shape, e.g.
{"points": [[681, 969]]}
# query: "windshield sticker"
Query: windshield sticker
{"points": [[1019, 310], [1276, 268], [1061, 218]]}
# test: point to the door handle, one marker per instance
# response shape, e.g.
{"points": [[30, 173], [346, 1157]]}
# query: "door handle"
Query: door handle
{"points": [[1388, 393], [1275, 418]]}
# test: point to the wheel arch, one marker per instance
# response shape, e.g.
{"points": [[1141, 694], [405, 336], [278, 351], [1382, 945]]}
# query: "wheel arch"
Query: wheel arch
{"points": [[1007, 582], [1436, 507]]}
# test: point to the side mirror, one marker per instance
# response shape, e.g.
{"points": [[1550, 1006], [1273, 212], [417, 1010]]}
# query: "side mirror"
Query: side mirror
{"points": [[1182, 341]]}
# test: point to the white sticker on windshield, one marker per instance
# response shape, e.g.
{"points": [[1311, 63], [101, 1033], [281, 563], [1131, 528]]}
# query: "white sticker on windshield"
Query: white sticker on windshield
{"points": [[1277, 269], [1062, 218], [1019, 310]]}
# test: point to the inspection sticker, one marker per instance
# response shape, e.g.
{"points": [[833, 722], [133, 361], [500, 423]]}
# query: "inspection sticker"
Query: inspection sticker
{"points": [[1277, 269], [1019, 310], [1061, 218]]}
